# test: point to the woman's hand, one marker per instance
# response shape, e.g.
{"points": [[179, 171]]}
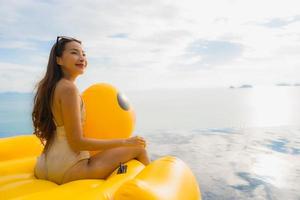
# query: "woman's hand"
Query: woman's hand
{"points": [[135, 141]]}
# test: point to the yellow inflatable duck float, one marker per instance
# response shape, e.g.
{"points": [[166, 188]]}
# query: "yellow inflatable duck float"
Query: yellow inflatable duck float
{"points": [[167, 178]]}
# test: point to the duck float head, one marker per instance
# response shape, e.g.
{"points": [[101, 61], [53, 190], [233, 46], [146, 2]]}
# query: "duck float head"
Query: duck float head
{"points": [[108, 113]]}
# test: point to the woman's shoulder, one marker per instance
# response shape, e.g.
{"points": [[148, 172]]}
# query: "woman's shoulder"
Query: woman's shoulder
{"points": [[66, 87]]}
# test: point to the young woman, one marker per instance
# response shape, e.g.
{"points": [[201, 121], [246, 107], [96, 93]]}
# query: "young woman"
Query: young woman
{"points": [[58, 116]]}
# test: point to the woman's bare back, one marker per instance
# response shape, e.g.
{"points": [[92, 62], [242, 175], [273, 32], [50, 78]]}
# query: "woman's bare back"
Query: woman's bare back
{"points": [[61, 85]]}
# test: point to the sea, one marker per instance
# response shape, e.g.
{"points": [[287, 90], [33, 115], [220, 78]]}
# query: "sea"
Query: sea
{"points": [[240, 143]]}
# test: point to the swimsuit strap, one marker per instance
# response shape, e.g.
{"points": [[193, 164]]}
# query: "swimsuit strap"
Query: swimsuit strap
{"points": [[46, 166], [54, 122]]}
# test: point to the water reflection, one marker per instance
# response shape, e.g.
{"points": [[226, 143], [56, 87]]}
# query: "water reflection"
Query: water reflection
{"points": [[271, 107], [273, 169], [253, 163]]}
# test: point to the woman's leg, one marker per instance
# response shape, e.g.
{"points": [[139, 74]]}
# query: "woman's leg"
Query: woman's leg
{"points": [[102, 164]]}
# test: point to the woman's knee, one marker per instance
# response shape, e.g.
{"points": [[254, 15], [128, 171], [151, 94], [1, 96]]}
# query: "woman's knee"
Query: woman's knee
{"points": [[141, 150]]}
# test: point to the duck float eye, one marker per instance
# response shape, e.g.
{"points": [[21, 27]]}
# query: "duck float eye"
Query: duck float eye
{"points": [[123, 101]]}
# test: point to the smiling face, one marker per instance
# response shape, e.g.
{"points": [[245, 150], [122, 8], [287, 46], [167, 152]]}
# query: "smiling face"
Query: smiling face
{"points": [[73, 60]]}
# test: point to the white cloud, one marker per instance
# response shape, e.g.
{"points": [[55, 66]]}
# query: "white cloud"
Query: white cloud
{"points": [[143, 44], [20, 78]]}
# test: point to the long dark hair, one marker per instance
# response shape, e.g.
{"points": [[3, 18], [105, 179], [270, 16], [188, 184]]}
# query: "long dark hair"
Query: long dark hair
{"points": [[42, 116]]}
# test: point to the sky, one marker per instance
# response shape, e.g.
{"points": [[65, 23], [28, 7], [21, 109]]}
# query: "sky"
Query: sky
{"points": [[154, 44]]}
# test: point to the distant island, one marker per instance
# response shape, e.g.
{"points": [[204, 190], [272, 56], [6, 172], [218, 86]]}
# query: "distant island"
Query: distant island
{"points": [[246, 86], [242, 86], [283, 84], [288, 84]]}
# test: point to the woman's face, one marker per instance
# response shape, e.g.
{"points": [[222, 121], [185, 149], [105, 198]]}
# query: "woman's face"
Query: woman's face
{"points": [[73, 60]]}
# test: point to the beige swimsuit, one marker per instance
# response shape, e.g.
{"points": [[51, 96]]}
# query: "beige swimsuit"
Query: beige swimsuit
{"points": [[60, 157]]}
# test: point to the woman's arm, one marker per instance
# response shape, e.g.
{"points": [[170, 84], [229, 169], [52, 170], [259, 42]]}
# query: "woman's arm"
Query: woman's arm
{"points": [[91, 144], [70, 107]]}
